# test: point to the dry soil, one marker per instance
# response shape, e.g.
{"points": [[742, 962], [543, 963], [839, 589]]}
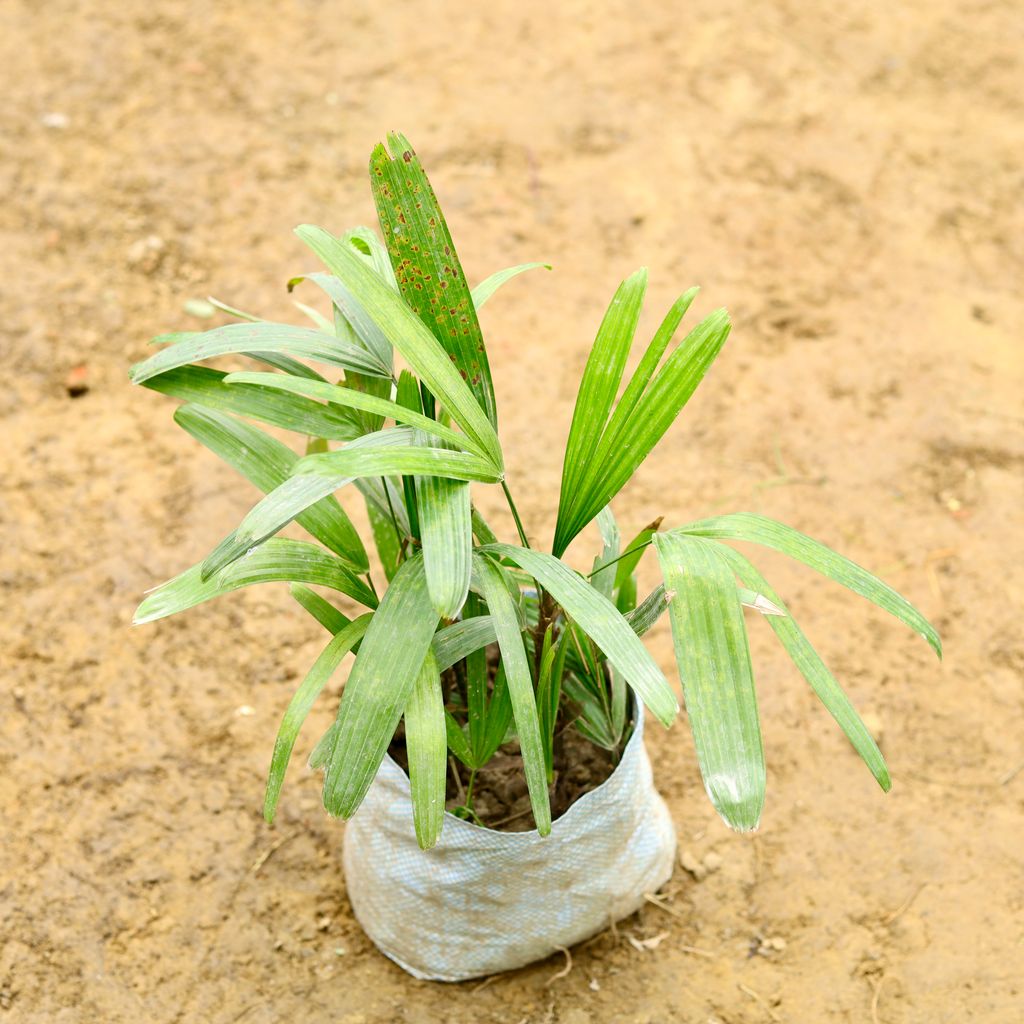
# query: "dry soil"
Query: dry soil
{"points": [[846, 178]]}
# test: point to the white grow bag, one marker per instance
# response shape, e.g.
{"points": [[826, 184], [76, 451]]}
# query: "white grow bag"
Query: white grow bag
{"points": [[483, 901]]}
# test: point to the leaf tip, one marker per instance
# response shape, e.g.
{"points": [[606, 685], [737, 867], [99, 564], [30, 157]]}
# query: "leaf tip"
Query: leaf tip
{"points": [[739, 802]]}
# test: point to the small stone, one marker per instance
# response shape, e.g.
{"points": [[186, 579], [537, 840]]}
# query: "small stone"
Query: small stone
{"points": [[691, 864], [146, 254], [712, 861], [778, 943], [55, 119], [76, 383]]}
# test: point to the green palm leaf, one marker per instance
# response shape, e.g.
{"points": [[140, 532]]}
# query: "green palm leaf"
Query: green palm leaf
{"points": [[520, 686], [446, 533], [204, 386], [388, 451], [246, 338], [598, 388], [813, 669], [426, 265], [629, 439], [390, 659], [305, 696], [601, 621], [767, 532], [375, 311], [321, 609], [718, 685], [354, 399], [290, 560], [489, 285], [267, 463], [427, 745]]}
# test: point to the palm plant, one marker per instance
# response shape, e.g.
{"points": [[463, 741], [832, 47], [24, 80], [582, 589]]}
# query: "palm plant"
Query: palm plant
{"points": [[412, 440]]}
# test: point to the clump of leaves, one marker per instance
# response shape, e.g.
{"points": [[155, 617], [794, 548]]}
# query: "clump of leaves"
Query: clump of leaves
{"points": [[412, 441]]}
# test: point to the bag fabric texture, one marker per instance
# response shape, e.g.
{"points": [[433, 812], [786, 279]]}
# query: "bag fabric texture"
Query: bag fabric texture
{"points": [[483, 901]]}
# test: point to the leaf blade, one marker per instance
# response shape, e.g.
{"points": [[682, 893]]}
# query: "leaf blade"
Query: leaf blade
{"points": [[489, 285], [317, 476], [446, 533], [262, 337], [620, 453], [814, 670], [426, 264], [598, 387], [769, 533], [710, 640], [355, 399], [203, 386], [377, 692], [301, 703], [601, 621], [293, 561], [267, 463], [520, 687], [427, 744], [374, 309]]}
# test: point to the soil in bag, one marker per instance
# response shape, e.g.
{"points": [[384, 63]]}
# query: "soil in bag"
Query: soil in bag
{"points": [[500, 798]]}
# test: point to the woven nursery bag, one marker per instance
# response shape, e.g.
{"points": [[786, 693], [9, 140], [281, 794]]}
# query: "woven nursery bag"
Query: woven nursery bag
{"points": [[483, 901]]}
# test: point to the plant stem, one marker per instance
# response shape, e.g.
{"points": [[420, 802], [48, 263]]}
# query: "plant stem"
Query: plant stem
{"points": [[515, 514], [625, 554], [468, 802], [391, 509]]}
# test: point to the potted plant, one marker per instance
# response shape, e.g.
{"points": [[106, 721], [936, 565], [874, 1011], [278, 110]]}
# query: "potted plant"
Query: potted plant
{"points": [[491, 725]]}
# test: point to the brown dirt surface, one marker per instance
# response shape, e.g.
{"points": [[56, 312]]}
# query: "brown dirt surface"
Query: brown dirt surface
{"points": [[847, 179]]}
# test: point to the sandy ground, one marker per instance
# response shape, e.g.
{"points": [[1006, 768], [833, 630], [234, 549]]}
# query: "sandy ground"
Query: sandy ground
{"points": [[847, 181]]}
